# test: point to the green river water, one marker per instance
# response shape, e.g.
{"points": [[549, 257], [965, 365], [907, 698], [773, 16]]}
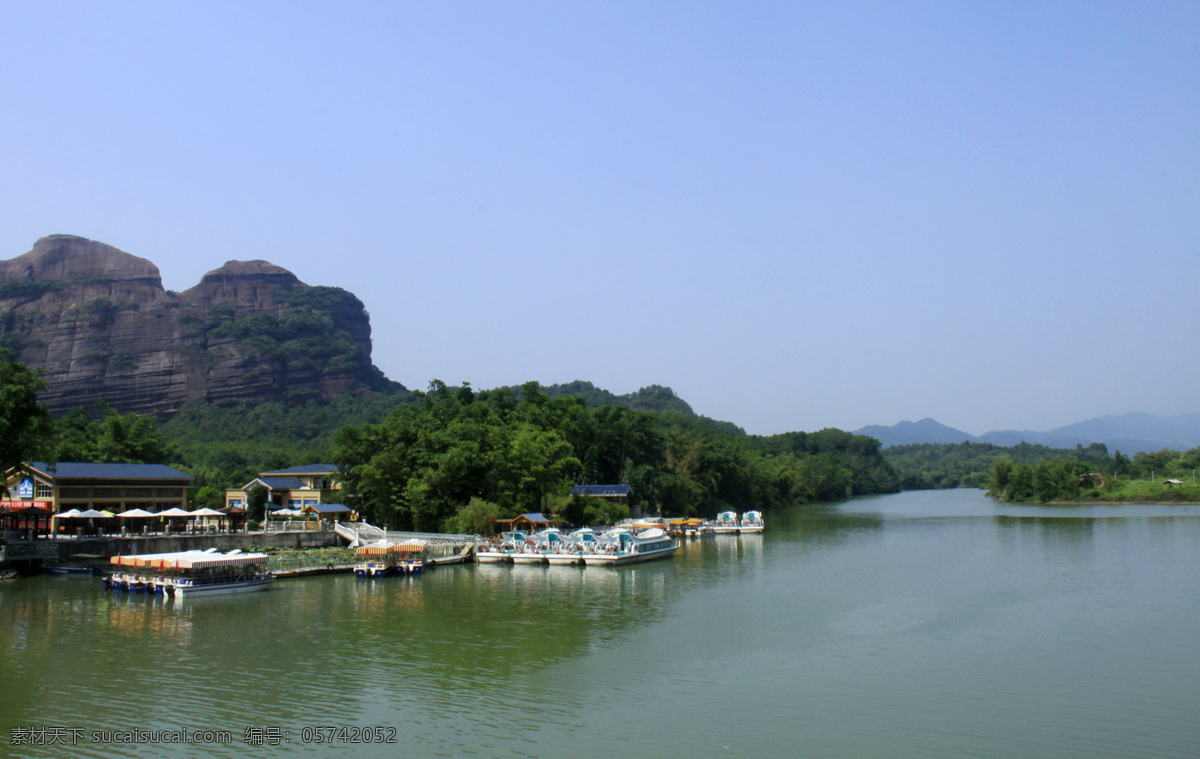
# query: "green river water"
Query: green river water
{"points": [[924, 624]]}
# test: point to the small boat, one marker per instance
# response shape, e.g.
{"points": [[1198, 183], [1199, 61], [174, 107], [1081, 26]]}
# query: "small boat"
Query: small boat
{"points": [[410, 557], [67, 569], [571, 549], [376, 560], [726, 523], [752, 522], [500, 550], [689, 528], [537, 549]]}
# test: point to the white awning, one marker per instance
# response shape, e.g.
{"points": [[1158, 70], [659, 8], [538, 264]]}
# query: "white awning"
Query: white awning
{"points": [[221, 560]]}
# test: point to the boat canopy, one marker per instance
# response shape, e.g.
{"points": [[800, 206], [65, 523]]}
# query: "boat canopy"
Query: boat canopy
{"points": [[218, 560], [151, 559], [189, 560], [651, 534]]}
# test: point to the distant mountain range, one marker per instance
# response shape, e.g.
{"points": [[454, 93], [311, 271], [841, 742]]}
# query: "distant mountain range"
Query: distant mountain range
{"points": [[1128, 433]]}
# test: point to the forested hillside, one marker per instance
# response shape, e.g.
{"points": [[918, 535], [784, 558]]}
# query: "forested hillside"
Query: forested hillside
{"points": [[934, 466], [458, 457]]}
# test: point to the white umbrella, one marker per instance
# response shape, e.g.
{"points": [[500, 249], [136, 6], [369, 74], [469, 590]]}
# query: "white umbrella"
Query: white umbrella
{"points": [[68, 514], [133, 513], [91, 514], [175, 512], [207, 513]]}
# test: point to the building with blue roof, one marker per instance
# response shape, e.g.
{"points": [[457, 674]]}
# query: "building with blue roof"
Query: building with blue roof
{"points": [[294, 488], [57, 487], [613, 492]]}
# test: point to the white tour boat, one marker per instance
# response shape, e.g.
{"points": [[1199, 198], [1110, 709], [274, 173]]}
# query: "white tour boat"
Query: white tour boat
{"points": [[619, 547]]}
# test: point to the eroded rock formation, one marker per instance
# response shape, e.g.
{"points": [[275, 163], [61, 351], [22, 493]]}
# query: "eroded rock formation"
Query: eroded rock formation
{"points": [[99, 323]]}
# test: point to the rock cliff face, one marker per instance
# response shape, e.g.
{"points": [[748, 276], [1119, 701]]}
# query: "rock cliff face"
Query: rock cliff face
{"points": [[100, 324]]}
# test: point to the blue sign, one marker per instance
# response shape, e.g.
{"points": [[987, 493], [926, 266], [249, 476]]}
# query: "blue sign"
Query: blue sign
{"points": [[25, 489]]}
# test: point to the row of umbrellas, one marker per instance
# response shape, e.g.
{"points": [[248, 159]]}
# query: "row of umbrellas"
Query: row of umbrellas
{"points": [[136, 513]]}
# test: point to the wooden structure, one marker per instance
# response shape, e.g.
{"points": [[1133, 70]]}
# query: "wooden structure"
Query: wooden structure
{"points": [[526, 522]]}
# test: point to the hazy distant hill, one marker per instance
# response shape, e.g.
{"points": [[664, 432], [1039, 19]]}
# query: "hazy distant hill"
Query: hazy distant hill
{"points": [[1128, 433], [925, 431]]}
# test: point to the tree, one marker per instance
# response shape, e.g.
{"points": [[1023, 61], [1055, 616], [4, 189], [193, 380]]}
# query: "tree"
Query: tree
{"points": [[998, 480], [473, 519], [256, 502], [112, 439], [24, 422]]}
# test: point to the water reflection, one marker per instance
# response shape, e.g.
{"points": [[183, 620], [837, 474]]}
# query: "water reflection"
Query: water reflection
{"points": [[862, 626]]}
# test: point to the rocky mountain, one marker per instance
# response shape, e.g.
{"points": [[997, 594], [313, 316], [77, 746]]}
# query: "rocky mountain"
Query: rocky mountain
{"points": [[99, 323], [1128, 433]]}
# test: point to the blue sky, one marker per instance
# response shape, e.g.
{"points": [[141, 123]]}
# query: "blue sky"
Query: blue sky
{"points": [[797, 215]]}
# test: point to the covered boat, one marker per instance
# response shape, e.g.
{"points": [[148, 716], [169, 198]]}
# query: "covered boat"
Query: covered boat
{"points": [[191, 573], [375, 560]]}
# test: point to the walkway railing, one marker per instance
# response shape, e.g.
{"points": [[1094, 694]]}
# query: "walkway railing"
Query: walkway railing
{"points": [[284, 525], [369, 533]]}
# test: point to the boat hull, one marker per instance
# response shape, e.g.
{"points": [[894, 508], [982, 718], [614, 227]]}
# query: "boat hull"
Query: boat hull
{"points": [[491, 557], [528, 558], [222, 588], [622, 559]]}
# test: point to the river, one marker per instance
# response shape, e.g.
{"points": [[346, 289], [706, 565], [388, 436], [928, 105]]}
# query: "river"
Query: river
{"points": [[923, 624]]}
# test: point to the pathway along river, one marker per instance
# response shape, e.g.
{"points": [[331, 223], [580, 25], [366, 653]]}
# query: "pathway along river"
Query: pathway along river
{"points": [[924, 624]]}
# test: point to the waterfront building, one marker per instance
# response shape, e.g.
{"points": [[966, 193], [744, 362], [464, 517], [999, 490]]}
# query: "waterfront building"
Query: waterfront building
{"points": [[41, 491], [295, 488]]}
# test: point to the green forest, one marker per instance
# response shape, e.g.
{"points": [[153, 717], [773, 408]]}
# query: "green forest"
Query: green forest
{"points": [[452, 458], [1118, 478], [934, 466], [1036, 473], [457, 457]]}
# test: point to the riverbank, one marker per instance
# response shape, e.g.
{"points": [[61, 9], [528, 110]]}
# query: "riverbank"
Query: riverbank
{"points": [[26, 555], [1136, 492]]}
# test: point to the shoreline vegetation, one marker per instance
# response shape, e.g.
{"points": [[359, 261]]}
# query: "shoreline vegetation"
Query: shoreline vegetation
{"points": [[1030, 473], [1134, 492], [1070, 481], [453, 459]]}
